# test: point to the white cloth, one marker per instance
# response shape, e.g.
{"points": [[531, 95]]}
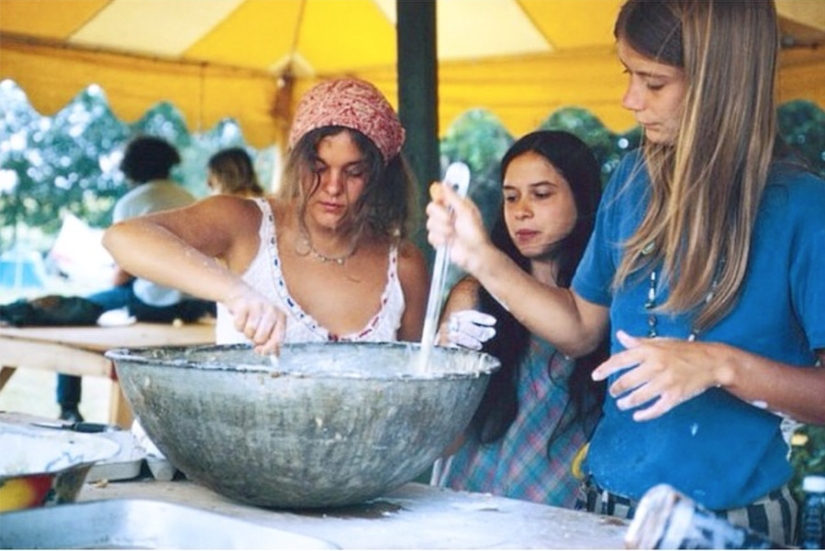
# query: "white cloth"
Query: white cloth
{"points": [[264, 275], [147, 198], [470, 329]]}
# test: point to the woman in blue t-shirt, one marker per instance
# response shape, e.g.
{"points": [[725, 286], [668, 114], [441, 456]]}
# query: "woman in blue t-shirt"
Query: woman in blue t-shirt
{"points": [[706, 261]]}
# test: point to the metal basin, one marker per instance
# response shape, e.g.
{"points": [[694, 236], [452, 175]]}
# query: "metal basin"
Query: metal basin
{"points": [[141, 524], [326, 425], [43, 467]]}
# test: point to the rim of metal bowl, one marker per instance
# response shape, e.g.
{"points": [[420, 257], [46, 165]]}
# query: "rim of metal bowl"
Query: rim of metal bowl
{"points": [[194, 357]]}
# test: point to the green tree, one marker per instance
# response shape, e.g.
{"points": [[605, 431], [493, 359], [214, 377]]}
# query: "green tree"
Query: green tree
{"points": [[802, 127], [478, 139], [73, 166], [69, 162], [608, 147]]}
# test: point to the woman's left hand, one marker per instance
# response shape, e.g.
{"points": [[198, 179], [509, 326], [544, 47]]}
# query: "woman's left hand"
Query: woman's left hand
{"points": [[663, 371]]}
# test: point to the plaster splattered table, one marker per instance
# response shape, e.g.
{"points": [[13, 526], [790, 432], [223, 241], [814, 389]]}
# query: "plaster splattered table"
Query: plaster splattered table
{"points": [[415, 516]]}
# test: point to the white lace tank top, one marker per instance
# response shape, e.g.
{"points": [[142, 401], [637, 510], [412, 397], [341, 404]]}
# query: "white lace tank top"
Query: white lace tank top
{"points": [[264, 274]]}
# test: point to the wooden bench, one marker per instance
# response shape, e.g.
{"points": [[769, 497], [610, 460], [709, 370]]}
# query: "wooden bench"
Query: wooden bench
{"points": [[80, 351]]}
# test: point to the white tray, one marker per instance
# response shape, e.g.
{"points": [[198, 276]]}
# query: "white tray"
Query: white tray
{"points": [[124, 465]]}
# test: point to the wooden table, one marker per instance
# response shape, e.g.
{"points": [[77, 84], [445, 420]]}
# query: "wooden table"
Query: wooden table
{"points": [[80, 351]]}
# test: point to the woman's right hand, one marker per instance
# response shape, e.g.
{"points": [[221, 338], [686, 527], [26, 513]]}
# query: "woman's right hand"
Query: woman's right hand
{"points": [[257, 318], [456, 221]]}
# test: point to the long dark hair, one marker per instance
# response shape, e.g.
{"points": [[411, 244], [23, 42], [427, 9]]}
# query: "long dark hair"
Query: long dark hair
{"points": [[499, 406]]}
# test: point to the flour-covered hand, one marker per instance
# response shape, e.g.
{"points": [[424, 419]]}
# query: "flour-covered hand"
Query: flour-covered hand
{"points": [[257, 318], [657, 374]]}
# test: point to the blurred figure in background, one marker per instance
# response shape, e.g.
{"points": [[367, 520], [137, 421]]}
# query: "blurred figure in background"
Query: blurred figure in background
{"points": [[231, 172], [147, 164]]}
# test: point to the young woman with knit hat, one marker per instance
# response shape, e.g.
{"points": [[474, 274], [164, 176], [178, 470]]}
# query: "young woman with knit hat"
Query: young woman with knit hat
{"points": [[327, 258]]}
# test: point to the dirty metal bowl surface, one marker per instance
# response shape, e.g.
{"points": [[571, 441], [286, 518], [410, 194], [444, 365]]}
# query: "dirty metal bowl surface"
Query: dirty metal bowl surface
{"points": [[327, 424], [43, 467]]}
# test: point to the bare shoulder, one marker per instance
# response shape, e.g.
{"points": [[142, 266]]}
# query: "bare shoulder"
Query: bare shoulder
{"points": [[413, 273], [240, 205], [411, 259], [229, 229], [228, 207], [217, 224], [415, 282]]}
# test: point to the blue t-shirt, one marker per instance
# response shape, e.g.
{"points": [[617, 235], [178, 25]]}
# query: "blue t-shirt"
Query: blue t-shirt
{"points": [[715, 448]]}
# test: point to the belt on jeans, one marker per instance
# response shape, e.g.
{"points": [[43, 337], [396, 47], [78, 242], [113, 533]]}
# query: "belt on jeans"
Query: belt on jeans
{"points": [[602, 502], [617, 506]]}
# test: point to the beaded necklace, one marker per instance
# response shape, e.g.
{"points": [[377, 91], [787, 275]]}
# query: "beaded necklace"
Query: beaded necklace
{"points": [[335, 259], [650, 303], [304, 246]]}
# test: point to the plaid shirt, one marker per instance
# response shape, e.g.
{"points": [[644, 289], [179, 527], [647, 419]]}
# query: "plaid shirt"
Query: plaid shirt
{"points": [[518, 465]]}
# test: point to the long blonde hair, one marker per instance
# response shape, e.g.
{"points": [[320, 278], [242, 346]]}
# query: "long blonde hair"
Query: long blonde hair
{"points": [[235, 173], [706, 188]]}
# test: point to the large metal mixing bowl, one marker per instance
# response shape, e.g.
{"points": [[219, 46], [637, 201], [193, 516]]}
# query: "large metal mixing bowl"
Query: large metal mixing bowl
{"points": [[325, 425]]}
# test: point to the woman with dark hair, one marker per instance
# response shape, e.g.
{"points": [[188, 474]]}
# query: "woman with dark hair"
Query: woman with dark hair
{"points": [[706, 261], [540, 407]]}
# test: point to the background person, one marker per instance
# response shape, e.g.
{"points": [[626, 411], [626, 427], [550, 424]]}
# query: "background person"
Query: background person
{"points": [[147, 164], [230, 171], [540, 408], [327, 259], [706, 261]]}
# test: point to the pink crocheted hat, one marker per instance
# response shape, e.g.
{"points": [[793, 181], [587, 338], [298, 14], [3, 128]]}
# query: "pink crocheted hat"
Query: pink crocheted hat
{"points": [[351, 103]]}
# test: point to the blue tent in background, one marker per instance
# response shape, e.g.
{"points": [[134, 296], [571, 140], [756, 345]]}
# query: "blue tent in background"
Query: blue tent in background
{"points": [[20, 270]]}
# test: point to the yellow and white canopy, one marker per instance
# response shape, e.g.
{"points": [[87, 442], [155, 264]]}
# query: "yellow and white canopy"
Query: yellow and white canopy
{"points": [[252, 59]]}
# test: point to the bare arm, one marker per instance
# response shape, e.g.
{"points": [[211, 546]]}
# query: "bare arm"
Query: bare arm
{"points": [[463, 296], [674, 371], [799, 393], [178, 248], [574, 325], [121, 277]]}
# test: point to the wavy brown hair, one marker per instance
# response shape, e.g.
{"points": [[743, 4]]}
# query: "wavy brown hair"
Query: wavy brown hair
{"points": [[388, 205], [706, 187]]}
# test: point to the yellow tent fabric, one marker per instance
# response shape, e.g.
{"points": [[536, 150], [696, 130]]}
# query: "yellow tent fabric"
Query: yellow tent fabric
{"points": [[251, 59]]}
